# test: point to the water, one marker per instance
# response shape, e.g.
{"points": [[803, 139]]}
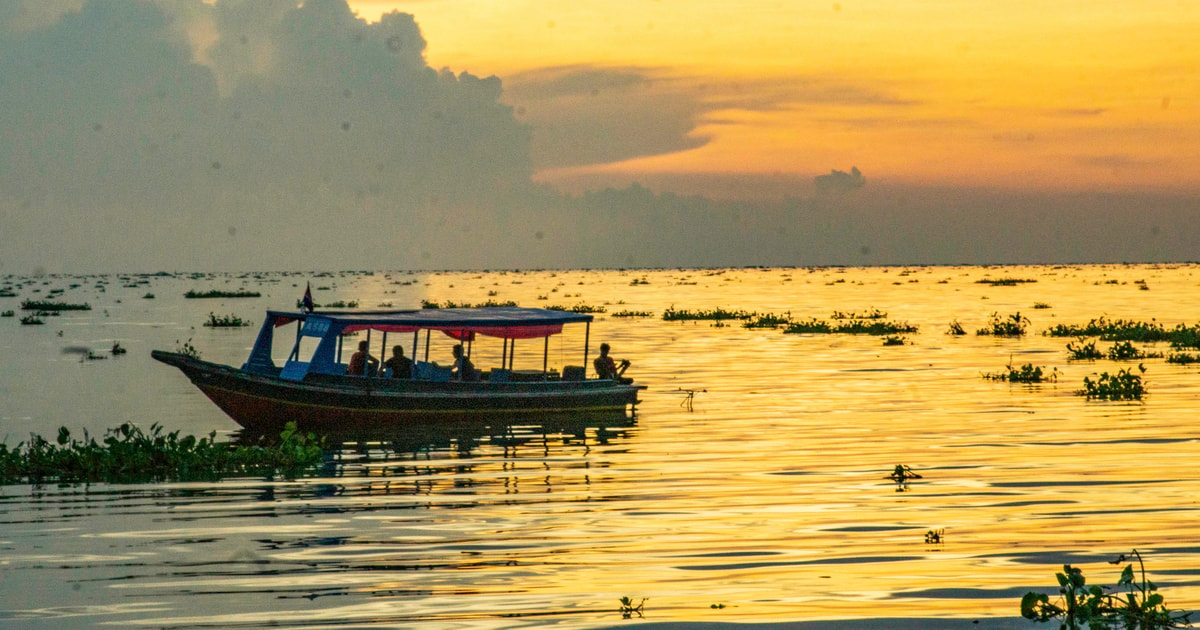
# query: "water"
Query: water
{"points": [[765, 502]]}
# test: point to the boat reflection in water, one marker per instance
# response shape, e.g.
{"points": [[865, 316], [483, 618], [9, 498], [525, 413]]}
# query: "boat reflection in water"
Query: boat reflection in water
{"points": [[463, 435]]}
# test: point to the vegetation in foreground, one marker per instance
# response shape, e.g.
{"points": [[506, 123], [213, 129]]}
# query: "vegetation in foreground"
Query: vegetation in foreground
{"points": [[128, 454], [226, 321], [1124, 385], [1139, 607]]}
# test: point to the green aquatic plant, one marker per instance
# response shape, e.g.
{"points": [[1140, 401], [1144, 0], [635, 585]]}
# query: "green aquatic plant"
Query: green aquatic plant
{"points": [[1012, 326], [226, 321], [1182, 358], [31, 320], [452, 304], [579, 308], [894, 340], [1005, 282], [1126, 351], [768, 321], [48, 306], [8, 314], [1124, 385], [811, 325], [935, 536], [1139, 607], [874, 313], [129, 454], [1085, 351], [193, 294], [955, 328], [1027, 373], [632, 314], [1120, 330], [674, 315], [1041, 305]]}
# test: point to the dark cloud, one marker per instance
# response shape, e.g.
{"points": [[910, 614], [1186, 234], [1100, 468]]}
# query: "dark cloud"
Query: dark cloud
{"points": [[115, 124]]}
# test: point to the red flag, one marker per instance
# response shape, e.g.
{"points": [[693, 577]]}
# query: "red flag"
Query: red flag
{"points": [[307, 303]]}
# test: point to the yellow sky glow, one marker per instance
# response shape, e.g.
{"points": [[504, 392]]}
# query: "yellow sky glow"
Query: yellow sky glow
{"points": [[1073, 94]]}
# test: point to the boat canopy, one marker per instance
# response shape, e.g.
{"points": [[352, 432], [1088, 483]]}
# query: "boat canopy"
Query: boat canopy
{"points": [[505, 322]]}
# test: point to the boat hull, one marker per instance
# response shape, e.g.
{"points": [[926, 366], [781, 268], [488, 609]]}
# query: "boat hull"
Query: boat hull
{"points": [[264, 402]]}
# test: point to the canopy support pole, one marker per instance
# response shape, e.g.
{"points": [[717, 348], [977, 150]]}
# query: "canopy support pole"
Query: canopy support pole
{"points": [[587, 334]]}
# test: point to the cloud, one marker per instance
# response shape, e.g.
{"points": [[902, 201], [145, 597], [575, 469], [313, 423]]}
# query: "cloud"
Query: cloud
{"points": [[584, 115], [115, 124]]}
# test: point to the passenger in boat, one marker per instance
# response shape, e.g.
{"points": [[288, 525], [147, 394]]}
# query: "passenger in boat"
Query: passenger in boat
{"points": [[400, 365], [360, 360], [606, 367], [465, 370]]}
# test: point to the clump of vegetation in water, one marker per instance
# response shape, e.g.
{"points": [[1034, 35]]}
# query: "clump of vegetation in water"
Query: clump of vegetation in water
{"points": [[340, 304], [193, 294], [129, 454], [1085, 351], [955, 328], [632, 314], [768, 321], [1027, 373], [579, 308], [1005, 282], [8, 314], [1124, 385], [1126, 351], [850, 327], [935, 537], [1040, 305], [675, 315], [1139, 607], [894, 340], [31, 320], [874, 313], [1012, 326], [48, 306], [1182, 358], [1129, 330], [452, 304], [226, 321]]}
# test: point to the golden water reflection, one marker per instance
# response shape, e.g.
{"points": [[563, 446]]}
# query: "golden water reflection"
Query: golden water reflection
{"points": [[768, 498]]}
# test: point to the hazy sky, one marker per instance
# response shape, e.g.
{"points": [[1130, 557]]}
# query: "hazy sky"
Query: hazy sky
{"points": [[275, 134]]}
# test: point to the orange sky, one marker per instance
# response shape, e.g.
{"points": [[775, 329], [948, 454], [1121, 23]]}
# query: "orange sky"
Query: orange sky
{"points": [[1078, 94]]}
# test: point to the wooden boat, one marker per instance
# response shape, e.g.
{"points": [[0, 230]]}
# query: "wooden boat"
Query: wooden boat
{"points": [[313, 389]]}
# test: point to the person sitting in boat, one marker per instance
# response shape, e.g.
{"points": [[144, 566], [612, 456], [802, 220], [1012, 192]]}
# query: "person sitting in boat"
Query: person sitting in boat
{"points": [[606, 367], [400, 365], [464, 369], [360, 360]]}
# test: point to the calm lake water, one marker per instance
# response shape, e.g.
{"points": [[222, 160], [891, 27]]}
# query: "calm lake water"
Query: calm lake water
{"points": [[764, 502]]}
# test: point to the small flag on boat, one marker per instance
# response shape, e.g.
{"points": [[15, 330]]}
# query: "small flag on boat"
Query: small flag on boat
{"points": [[307, 303]]}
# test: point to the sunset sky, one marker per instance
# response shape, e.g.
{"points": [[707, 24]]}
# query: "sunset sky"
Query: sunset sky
{"points": [[1077, 94], [450, 134]]}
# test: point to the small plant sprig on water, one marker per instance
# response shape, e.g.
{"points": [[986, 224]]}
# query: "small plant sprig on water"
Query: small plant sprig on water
{"points": [[1141, 607], [628, 610], [955, 329], [1124, 385], [935, 536]]}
